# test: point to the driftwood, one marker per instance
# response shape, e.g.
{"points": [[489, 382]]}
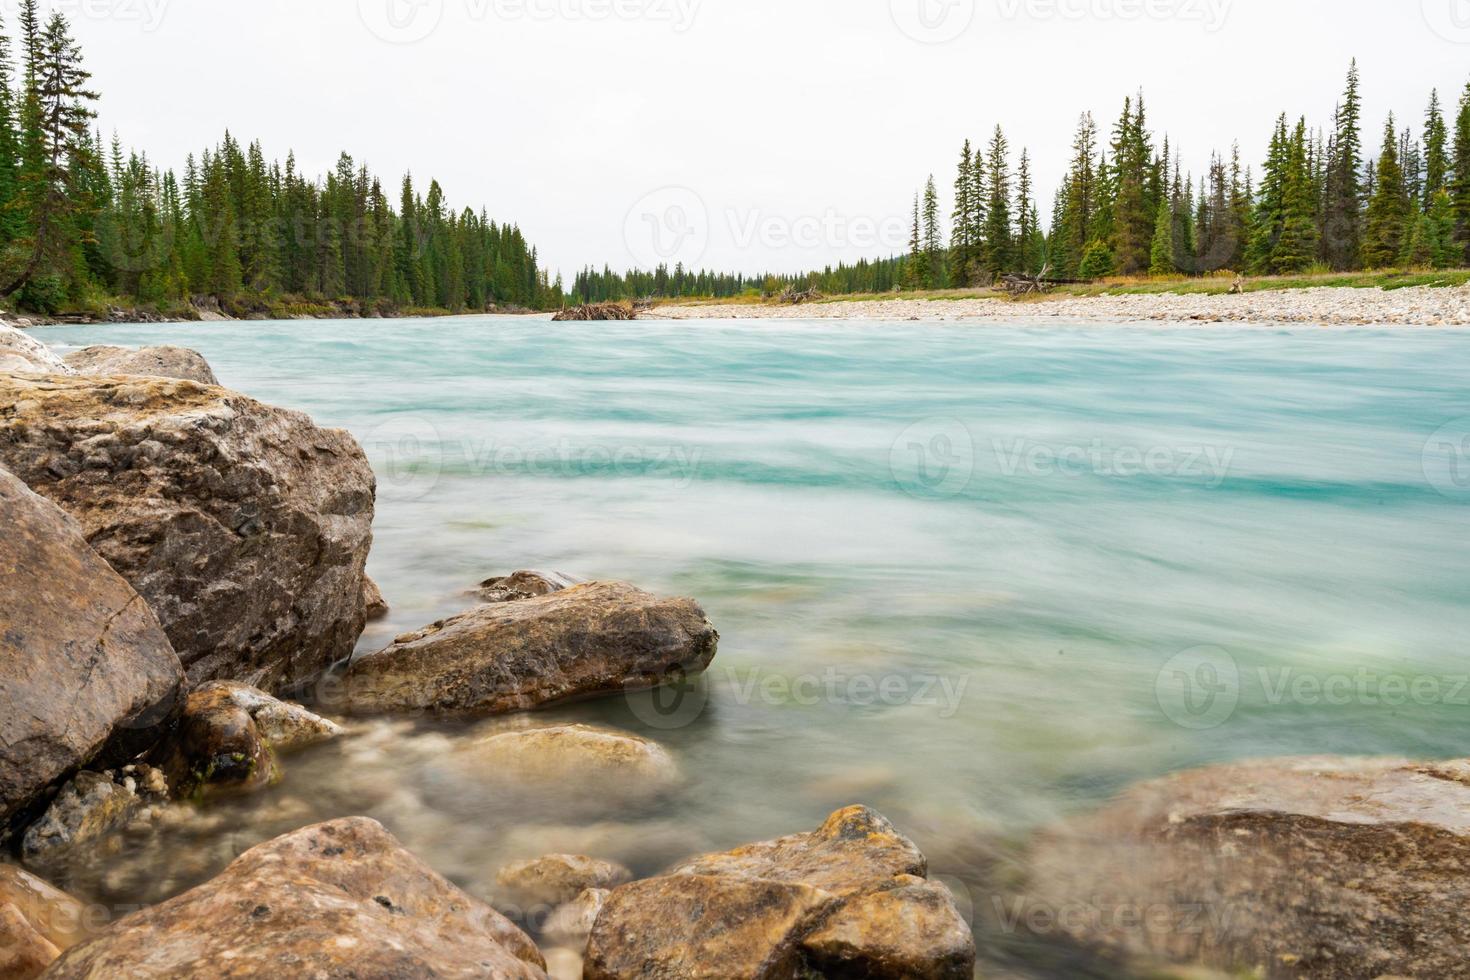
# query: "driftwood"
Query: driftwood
{"points": [[599, 311], [796, 297], [1023, 284]]}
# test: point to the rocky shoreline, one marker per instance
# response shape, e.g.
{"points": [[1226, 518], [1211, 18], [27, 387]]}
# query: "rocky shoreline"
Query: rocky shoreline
{"points": [[1336, 307], [179, 560]]}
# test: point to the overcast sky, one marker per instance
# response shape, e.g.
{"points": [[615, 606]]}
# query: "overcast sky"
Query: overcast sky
{"points": [[739, 134]]}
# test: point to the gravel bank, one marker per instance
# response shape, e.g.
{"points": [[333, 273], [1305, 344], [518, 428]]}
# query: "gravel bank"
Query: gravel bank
{"points": [[1419, 306]]}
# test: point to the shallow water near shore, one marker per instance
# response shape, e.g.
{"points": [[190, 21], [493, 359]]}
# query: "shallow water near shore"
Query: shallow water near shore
{"points": [[976, 577]]}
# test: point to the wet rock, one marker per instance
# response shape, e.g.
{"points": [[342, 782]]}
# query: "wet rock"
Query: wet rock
{"points": [[229, 735], [809, 904], [339, 899], [244, 527], [596, 639], [569, 925], [523, 585], [558, 878], [1326, 867], [86, 810], [373, 602], [158, 362], [577, 765], [85, 669], [55, 916], [649, 844], [563, 964], [24, 952], [20, 353]]}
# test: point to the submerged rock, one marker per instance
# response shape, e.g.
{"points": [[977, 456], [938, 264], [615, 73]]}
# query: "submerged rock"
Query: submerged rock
{"points": [[523, 585], [229, 735], [20, 353], [569, 925], [1322, 868], [87, 809], [84, 664], [595, 639], [577, 767], [42, 922], [848, 899], [158, 362], [244, 527], [557, 879], [341, 899]]}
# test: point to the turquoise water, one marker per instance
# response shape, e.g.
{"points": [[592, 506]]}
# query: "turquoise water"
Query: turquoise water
{"points": [[978, 577]]}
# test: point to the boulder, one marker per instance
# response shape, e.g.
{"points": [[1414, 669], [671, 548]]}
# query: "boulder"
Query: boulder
{"points": [[59, 919], [848, 899], [589, 640], [20, 353], [523, 585], [244, 527], [85, 668], [373, 602], [229, 735], [558, 878], [24, 952], [157, 362], [1321, 867], [340, 899], [576, 767], [569, 925]]}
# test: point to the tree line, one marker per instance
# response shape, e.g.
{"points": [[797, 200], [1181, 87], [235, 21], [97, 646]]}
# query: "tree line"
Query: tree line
{"points": [[83, 223], [1127, 208]]}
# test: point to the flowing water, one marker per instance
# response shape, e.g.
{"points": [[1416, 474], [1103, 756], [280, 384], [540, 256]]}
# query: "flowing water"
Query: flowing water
{"points": [[978, 577]]}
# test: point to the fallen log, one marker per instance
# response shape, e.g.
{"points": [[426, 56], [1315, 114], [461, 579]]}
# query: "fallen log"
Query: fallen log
{"points": [[598, 311]]}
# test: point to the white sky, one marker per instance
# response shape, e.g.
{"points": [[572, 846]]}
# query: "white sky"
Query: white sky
{"points": [[792, 132]]}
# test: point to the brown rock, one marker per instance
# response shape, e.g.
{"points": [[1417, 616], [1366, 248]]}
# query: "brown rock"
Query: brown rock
{"points": [[229, 735], [558, 878], [595, 639], [373, 601], [243, 526], [816, 904], [340, 899], [158, 362], [60, 919], [24, 952], [1326, 867], [84, 665], [523, 585], [569, 925], [86, 810], [20, 353]]}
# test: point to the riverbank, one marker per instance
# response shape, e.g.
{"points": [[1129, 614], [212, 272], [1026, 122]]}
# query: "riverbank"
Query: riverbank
{"points": [[1325, 306]]}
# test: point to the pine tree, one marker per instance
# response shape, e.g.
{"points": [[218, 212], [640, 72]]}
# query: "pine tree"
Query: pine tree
{"points": [[915, 268], [1161, 261], [1386, 229], [933, 239], [963, 233], [1296, 247], [1460, 185], [1081, 200], [1343, 191], [1436, 151], [999, 243]]}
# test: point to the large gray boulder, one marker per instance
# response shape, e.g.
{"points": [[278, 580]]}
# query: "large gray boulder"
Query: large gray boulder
{"points": [[20, 353], [158, 362], [84, 664], [245, 527], [1317, 867], [341, 899], [595, 639]]}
